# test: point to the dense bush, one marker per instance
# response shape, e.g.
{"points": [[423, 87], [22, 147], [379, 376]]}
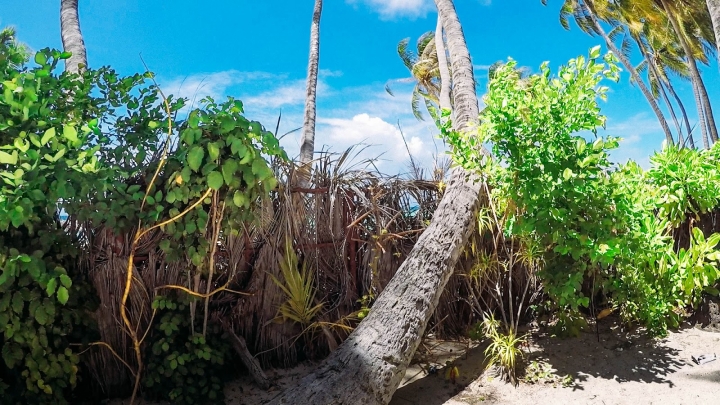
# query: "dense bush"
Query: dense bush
{"points": [[107, 151], [611, 226]]}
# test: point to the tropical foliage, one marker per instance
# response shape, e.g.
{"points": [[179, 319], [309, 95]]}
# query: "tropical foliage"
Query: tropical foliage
{"points": [[613, 226]]}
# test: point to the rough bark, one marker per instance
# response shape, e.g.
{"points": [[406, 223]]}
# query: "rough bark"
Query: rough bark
{"points": [[250, 362], [633, 72], [702, 99], [307, 142], [72, 38], [368, 367], [445, 102], [714, 9]]}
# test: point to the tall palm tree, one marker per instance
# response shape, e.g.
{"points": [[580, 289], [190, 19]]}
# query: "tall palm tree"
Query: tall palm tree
{"points": [[307, 141], [72, 38], [588, 19], [670, 22], [443, 68], [368, 367], [714, 10]]}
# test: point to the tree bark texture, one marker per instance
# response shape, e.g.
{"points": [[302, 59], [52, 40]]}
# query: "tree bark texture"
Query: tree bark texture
{"points": [[307, 142], [714, 9], [72, 38], [445, 81], [368, 367]]}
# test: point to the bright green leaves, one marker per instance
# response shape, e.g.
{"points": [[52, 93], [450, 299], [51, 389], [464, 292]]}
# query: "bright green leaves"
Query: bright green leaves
{"points": [[8, 158], [62, 295], [195, 157], [229, 168], [213, 150], [215, 180], [70, 133]]}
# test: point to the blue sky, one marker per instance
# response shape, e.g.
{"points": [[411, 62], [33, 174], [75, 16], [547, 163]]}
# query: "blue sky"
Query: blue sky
{"points": [[257, 51]]}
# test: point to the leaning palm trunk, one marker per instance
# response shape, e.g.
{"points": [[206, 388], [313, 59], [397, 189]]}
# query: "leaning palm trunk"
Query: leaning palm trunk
{"points": [[307, 142], [368, 367], [72, 38], [633, 72], [445, 102], [714, 9], [701, 97]]}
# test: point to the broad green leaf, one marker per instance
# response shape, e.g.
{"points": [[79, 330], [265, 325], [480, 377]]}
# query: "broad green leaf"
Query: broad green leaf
{"points": [[195, 158], [62, 295], [8, 159], [213, 151], [229, 168], [47, 136], [40, 58], [239, 199], [51, 286], [215, 180], [70, 133], [65, 281]]}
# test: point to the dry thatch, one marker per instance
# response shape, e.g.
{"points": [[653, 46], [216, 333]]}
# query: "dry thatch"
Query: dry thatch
{"points": [[351, 228]]}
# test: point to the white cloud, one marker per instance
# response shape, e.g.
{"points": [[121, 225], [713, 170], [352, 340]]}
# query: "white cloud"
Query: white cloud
{"points": [[346, 116], [384, 137], [398, 8], [195, 87]]}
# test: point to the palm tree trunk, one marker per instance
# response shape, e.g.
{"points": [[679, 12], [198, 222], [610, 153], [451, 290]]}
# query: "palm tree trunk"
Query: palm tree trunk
{"points": [[701, 116], [686, 120], [633, 72], [445, 102], [72, 38], [714, 9], [662, 83], [307, 142], [702, 98], [368, 367]]}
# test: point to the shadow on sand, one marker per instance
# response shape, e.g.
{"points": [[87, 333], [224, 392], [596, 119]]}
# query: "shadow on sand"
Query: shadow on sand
{"points": [[617, 355], [611, 354]]}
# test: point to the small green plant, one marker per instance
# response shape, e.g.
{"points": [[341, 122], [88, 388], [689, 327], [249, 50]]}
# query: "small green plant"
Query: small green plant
{"points": [[298, 287], [540, 372], [504, 348]]}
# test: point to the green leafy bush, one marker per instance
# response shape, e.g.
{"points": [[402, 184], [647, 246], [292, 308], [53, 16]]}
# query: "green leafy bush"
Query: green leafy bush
{"points": [[87, 146], [613, 227], [182, 367]]}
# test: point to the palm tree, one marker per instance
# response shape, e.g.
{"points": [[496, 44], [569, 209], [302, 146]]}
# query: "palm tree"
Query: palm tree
{"points": [[72, 38], [704, 108], [307, 141], [424, 71], [588, 19], [714, 10], [368, 367], [14, 52], [444, 69], [670, 22]]}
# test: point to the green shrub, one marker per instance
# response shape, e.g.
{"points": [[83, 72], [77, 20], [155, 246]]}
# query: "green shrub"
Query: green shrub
{"points": [[183, 367]]}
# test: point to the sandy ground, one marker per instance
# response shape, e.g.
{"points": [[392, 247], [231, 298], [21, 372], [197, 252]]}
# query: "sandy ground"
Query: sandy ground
{"points": [[620, 368]]}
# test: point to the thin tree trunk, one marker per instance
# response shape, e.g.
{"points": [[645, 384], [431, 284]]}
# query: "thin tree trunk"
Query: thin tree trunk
{"points": [[368, 367], [704, 107], [714, 9], [630, 68], [686, 120], [701, 116], [72, 38], [661, 84], [307, 142], [445, 102]]}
